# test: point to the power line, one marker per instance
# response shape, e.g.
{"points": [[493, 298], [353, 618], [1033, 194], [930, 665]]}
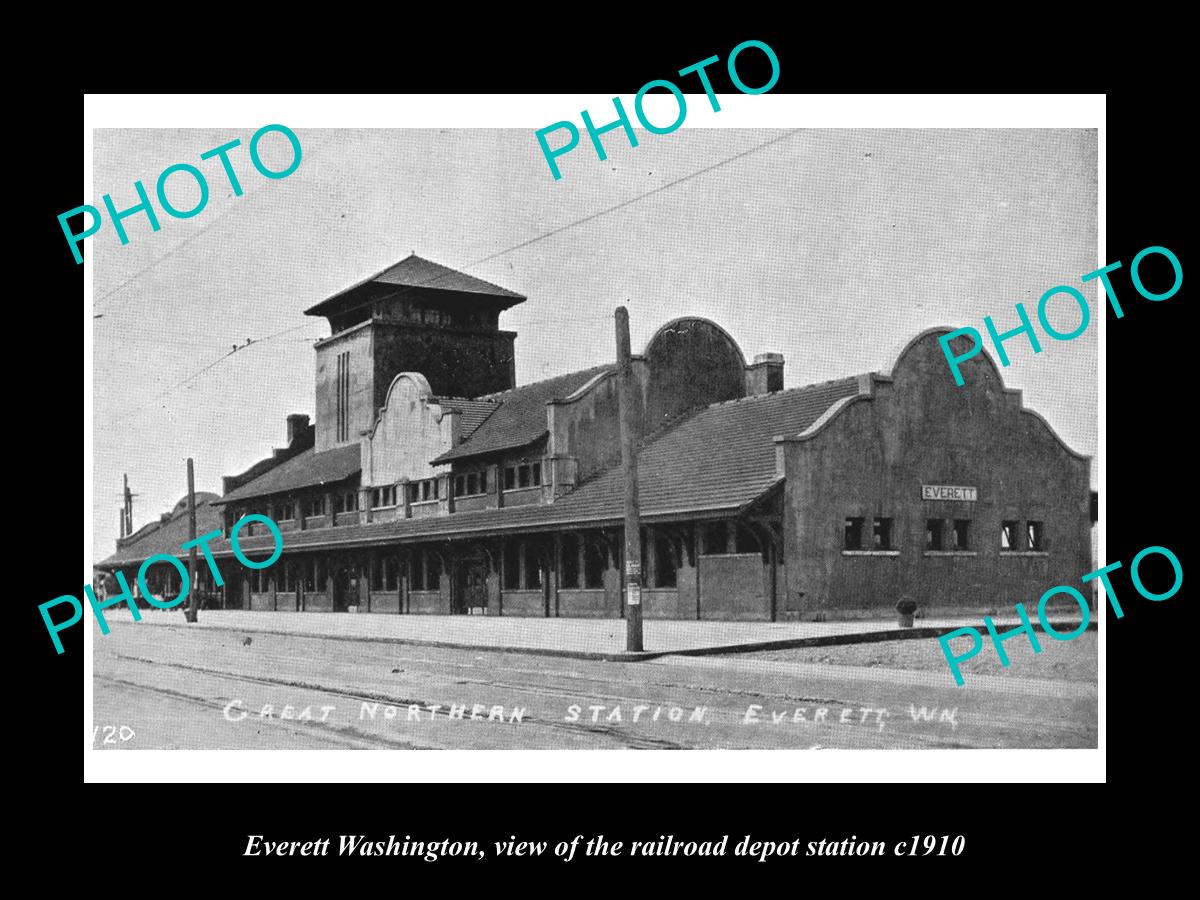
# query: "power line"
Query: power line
{"points": [[138, 274], [624, 203], [407, 288], [604, 212], [250, 342]]}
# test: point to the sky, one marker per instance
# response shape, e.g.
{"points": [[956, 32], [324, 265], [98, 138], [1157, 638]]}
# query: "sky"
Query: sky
{"points": [[832, 247]]}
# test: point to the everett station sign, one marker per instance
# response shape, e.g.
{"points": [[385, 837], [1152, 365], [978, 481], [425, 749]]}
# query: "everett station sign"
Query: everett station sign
{"points": [[948, 492]]}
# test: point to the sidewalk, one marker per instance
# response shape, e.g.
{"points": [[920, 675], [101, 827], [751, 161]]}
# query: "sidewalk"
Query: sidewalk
{"points": [[580, 638]]}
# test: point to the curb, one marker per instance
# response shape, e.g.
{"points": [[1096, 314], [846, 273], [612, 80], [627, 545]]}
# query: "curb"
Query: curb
{"points": [[830, 640], [862, 637]]}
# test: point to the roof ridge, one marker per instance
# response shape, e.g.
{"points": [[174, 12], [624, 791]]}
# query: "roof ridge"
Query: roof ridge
{"points": [[749, 398], [520, 387], [175, 513]]}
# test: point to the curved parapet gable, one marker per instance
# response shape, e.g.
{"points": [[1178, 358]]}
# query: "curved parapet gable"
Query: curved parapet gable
{"points": [[980, 367], [407, 386], [907, 486], [410, 429], [919, 368], [923, 358], [586, 387], [690, 362], [822, 422]]}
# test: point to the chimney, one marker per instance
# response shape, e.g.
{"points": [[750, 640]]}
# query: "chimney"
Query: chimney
{"points": [[297, 424], [765, 374]]}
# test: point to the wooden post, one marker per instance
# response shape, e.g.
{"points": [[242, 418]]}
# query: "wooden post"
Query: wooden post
{"points": [[633, 544], [191, 613]]}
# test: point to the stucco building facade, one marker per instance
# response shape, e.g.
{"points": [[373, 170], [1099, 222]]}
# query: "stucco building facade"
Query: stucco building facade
{"points": [[431, 483]]}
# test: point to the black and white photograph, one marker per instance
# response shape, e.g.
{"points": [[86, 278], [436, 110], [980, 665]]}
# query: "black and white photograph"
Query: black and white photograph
{"points": [[735, 439]]}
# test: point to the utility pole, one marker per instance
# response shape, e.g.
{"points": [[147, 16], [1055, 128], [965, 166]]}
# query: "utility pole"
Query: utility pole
{"points": [[126, 510], [190, 614], [633, 529]]}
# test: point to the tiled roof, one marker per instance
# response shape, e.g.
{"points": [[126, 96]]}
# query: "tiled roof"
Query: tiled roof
{"points": [[167, 537], [474, 412], [521, 418], [720, 457], [415, 272], [305, 470]]}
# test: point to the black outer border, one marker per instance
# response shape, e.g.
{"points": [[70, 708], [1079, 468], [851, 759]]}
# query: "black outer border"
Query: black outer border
{"points": [[1008, 828]]}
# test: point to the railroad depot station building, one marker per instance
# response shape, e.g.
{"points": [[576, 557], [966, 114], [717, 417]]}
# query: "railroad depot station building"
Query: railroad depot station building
{"points": [[431, 483]]}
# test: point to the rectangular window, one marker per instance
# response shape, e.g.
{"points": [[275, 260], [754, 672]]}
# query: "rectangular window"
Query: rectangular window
{"points": [[286, 510], [510, 478], [460, 485], [569, 559], [391, 573], [883, 534], [512, 566], [343, 396], [314, 506], [533, 568], [536, 471], [523, 476], [933, 534], [960, 535], [483, 482], [414, 491], [289, 577], [744, 539], [424, 490], [1008, 535], [665, 570], [853, 537], [593, 561], [714, 537], [435, 481], [473, 483], [1036, 534]]}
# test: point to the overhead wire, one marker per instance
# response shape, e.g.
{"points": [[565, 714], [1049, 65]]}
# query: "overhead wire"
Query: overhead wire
{"points": [[406, 289]]}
